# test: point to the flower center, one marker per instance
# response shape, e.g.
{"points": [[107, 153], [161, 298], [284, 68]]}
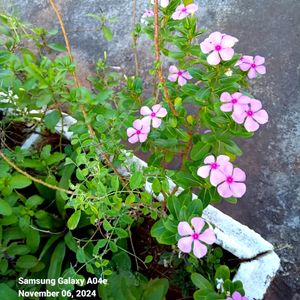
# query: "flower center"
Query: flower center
{"points": [[214, 166], [184, 10], [253, 66], [249, 113], [234, 101], [195, 236], [229, 179], [179, 73], [218, 48], [138, 132], [153, 114]]}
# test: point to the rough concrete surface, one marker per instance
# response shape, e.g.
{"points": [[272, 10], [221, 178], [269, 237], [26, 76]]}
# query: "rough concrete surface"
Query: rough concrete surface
{"points": [[270, 28]]}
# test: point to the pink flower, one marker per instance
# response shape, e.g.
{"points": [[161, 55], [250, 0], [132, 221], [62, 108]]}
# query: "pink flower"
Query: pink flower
{"points": [[153, 116], [253, 65], [230, 181], [138, 133], [235, 102], [237, 296], [184, 11], [148, 13], [181, 75], [190, 237], [213, 166], [253, 114], [219, 46], [163, 3]]}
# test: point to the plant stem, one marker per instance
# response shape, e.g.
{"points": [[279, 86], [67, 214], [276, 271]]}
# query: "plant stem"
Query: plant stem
{"points": [[135, 52], [157, 59]]}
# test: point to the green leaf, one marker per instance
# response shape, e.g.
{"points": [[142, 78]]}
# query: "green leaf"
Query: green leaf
{"points": [[34, 201], [174, 206], [107, 33], [201, 282], [100, 244], [222, 272], [156, 289], [136, 180], [19, 181], [57, 47], [80, 255], [195, 208], [121, 233], [156, 186], [148, 259], [52, 119], [199, 151], [103, 96], [6, 293], [74, 220], [5, 208], [27, 262]]}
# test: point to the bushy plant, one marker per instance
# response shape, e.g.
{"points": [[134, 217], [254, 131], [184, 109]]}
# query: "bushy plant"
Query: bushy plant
{"points": [[68, 210]]}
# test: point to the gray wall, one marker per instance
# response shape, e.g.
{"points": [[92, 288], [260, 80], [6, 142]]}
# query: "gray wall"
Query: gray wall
{"points": [[271, 159]]}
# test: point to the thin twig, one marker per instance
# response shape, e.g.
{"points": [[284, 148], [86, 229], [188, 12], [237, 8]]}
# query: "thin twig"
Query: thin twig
{"points": [[157, 59], [50, 186]]}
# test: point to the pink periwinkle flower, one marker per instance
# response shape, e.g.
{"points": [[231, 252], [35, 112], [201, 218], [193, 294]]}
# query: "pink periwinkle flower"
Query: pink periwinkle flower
{"points": [[148, 13], [252, 116], [229, 182], [213, 166], [195, 237], [139, 132], [163, 3], [252, 65], [235, 102], [237, 296], [182, 11], [181, 75], [153, 115], [219, 46]]}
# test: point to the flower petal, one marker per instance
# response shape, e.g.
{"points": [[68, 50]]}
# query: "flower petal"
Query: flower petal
{"points": [[173, 69], [259, 60], [226, 107], [236, 296], [191, 8], [245, 66], [185, 244], [251, 125], [209, 159], [184, 229], [156, 107], [238, 189], [137, 124], [261, 69], [261, 116], [186, 75], [164, 3], [228, 41], [206, 46], [227, 169], [223, 159], [213, 58], [225, 97], [238, 174], [255, 105], [215, 37], [204, 171], [130, 131], [156, 122], [143, 137], [224, 190], [239, 117], [173, 77], [252, 73], [146, 122], [133, 139], [162, 112], [227, 53], [199, 249], [145, 111], [181, 81], [216, 177], [208, 236], [198, 224], [244, 100]]}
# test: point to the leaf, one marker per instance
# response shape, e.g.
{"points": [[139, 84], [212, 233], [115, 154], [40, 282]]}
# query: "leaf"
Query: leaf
{"points": [[107, 33], [52, 119], [199, 151], [195, 208], [70, 242], [74, 220], [6, 293], [19, 181], [32, 239], [56, 261], [222, 272], [27, 262], [103, 96], [100, 244], [5, 208], [136, 180], [148, 259], [57, 47], [34, 201], [80, 255], [156, 289], [121, 233], [49, 243], [174, 206], [201, 282], [156, 186]]}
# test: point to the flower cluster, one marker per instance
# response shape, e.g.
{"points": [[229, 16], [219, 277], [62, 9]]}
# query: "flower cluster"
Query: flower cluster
{"points": [[219, 46], [244, 110], [252, 65], [181, 75], [228, 180], [147, 14], [141, 128], [194, 237]]}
